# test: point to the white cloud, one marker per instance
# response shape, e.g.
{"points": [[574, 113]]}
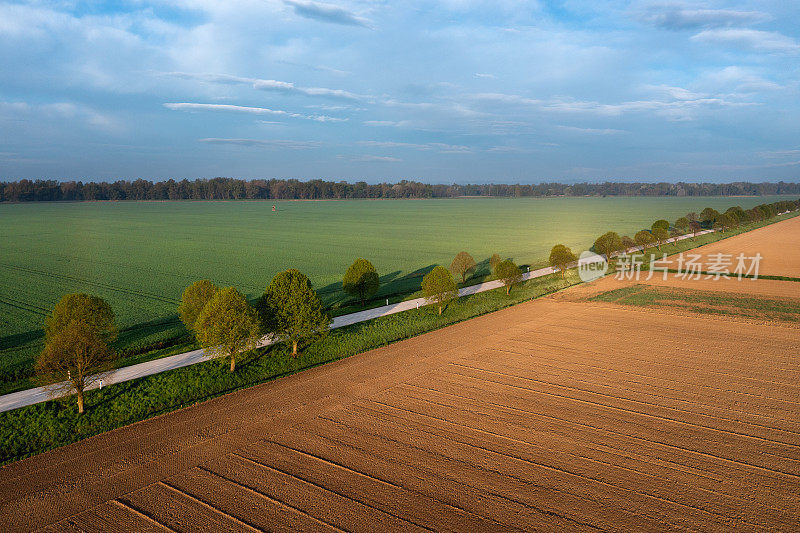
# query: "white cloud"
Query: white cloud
{"points": [[187, 106], [507, 99], [190, 106], [269, 143], [486, 76], [366, 158], [674, 17], [592, 131], [64, 110], [675, 103], [326, 13], [440, 147], [761, 41], [267, 85], [392, 123], [737, 79]]}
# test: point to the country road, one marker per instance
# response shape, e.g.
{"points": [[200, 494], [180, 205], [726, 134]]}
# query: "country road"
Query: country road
{"points": [[36, 395]]}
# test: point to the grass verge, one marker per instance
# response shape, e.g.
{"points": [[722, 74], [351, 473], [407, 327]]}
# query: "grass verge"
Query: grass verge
{"points": [[706, 302]]}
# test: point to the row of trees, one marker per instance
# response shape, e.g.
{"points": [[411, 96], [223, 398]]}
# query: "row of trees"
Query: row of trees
{"points": [[225, 323], [610, 243], [80, 329], [231, 189]]}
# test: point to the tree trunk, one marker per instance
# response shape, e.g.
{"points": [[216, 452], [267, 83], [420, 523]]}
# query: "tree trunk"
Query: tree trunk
{"points": [[294, 348], [463, 277], [233, 363], [563, 274], [440, 309], [508, 288], [80, 401]]}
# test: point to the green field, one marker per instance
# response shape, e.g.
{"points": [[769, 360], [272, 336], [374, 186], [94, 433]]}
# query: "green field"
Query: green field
{"points": [[140, 256]]}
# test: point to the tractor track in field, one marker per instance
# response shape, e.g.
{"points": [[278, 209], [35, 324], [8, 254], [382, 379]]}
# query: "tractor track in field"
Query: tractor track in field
{"points": [[99, 284]]}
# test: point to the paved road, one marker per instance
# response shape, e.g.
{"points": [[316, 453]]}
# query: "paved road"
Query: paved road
{"points": [[40, 394]]}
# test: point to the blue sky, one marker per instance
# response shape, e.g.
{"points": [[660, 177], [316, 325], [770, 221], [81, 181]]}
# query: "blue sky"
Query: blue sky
{"points": [[453, 91]]}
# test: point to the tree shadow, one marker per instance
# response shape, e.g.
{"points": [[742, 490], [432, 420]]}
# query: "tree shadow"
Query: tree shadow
{"points": [[392, 285], [136, 334], [21, 339]]}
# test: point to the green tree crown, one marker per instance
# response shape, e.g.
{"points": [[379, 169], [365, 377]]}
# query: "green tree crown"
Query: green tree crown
{"points": [[227, 325], [93, 312], [682, 223], [77, 334], [494, 261], [663, 224], [560, 257], [193, 300], [439, 287], [509, 273], [608, 243], [290, 308], [361, 280], [462, 264], [643, 238]]}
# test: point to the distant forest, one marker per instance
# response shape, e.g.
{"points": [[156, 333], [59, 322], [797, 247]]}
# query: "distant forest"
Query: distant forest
{"points": [[292, 189]]}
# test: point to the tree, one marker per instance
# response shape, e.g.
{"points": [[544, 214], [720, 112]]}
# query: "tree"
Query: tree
{"points": [[463, 263], [724, 222], [644, 238], [560, 257], [76, 350], [439, 287], [627, 242], [92, 311], [361, 280], [607, 244], [708, 216], [494, 261], [675, 234], [291, 309], [660, 235], [682, 224], [227, 325], [738, 214], [509, 273], [660, 224], [73, 359], [193, 300], [695, 227]]}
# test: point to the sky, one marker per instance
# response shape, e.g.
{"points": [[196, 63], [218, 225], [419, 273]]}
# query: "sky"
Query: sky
{"points": [[455, 91]]}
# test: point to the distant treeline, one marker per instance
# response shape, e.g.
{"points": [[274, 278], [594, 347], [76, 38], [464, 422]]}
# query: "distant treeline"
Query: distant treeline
{"points": [[292, 189]]}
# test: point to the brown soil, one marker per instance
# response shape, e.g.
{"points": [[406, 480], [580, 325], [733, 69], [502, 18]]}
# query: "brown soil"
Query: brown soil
{"points": [[552, 415], [779, 245]]}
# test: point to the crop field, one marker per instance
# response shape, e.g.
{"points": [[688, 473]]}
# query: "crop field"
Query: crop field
{"points": [[551, 415], [614, 405], [778, 245], [140, 256]]}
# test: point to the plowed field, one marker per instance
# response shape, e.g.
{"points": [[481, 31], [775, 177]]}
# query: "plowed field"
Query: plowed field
{"points": [[554, 415]]}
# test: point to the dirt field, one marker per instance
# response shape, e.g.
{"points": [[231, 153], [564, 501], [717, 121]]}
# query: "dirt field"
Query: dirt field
{"points": [[553, 415], [779, 245]]}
